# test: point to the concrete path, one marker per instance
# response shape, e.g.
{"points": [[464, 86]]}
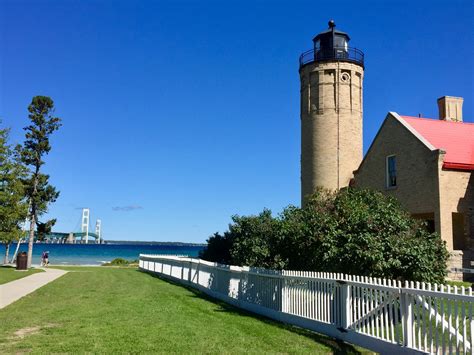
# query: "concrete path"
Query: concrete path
{"points": [[14, 290]]}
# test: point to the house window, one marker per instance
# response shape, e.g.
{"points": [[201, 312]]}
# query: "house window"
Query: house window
{"points": [[391, 171]]}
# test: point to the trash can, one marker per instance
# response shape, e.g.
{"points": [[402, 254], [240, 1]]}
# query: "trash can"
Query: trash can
{"points": [[22, 261]]}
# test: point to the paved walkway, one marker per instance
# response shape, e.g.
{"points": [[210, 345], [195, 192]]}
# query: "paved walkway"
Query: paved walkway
{"points": [[14, 290]]}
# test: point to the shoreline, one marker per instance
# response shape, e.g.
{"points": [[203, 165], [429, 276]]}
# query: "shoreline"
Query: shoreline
{"points": [[38, 266], [67, 265], [96, 255]]}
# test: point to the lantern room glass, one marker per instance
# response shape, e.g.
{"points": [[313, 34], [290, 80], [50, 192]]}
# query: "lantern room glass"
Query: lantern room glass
{"points": [[340, 42]]}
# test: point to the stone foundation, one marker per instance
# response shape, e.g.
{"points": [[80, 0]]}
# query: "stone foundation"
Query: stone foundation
{"points": [[461, 259]]}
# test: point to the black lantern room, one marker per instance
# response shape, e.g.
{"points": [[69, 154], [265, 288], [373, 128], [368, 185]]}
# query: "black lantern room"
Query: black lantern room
{"points": [[332, 44]]}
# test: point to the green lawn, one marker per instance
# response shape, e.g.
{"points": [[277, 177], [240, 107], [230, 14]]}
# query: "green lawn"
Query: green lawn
{"points": [[460, 283], [8, 273], [112, 310]]}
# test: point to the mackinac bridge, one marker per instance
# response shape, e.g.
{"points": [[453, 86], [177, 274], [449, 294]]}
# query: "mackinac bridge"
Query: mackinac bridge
{"points": [[82, 236]]}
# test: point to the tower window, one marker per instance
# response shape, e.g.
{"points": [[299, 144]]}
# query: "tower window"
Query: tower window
{"points": [[391, 171], [345, 77]]}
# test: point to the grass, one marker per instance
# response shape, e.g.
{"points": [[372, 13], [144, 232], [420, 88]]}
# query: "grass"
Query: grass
{"points": [[8, 273], [460, 283], [121, 310]]}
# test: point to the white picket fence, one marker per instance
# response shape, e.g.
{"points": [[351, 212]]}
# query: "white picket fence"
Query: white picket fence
{"points": [[378, 314]]}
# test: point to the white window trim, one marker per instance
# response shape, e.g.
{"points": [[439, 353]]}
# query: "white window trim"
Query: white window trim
{"points": [[387, 174]]}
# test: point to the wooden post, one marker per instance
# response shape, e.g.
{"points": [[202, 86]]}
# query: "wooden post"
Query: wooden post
{"points": [[284, 301], [407, 317], [190, 270], [197, 271], [345, 304], [239, 288]]}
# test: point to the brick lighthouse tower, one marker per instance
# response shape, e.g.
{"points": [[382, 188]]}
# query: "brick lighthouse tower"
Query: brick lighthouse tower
{"points": [[331, 77]]}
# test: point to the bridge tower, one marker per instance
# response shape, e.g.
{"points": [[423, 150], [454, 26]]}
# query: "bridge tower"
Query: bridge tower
{"points": [[98, 230], [85, 223]]}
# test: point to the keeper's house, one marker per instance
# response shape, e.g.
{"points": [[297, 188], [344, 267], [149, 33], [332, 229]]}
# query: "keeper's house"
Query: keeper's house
{"points": [[428, 165]]}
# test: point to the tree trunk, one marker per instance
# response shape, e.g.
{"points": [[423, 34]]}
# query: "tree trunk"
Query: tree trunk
{"points": [[16, 250], [32, 216], [23, 229], [7, 252], [31, 239]]}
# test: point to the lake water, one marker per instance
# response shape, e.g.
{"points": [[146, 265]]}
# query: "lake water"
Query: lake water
{"points": [[96, 254]]}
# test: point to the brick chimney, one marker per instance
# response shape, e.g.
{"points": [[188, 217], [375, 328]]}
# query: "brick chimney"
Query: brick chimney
{"points": [[450, 108]]}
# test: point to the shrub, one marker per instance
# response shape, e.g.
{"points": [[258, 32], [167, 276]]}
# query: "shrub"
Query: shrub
{"points": [[351, 231], [217, 249], [117, 262], [361, 232], [254, 241]]}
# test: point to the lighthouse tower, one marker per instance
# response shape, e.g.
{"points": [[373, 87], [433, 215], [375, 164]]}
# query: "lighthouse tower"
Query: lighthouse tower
{"points": [[331, 77]]}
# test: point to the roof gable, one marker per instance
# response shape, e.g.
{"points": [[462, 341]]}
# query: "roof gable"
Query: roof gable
{"points": [[383, 130]]}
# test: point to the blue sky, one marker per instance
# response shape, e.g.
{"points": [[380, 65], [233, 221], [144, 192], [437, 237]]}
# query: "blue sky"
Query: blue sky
{"points": [[178, 114]]}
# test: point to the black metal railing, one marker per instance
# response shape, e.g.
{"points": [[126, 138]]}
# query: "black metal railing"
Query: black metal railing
{"points": [[345, 54]]}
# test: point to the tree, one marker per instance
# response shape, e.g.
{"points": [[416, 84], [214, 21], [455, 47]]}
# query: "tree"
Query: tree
{"points": [[13, 205], [44, 228], [36, 146], [254, 241], [249, 241], [217, 249]]}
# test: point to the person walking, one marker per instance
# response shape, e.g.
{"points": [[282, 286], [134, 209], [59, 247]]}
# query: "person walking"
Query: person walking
{"points": [[46, 258]]}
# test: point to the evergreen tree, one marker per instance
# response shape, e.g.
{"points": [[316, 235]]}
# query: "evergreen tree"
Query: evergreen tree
{"points": [[44, 228], [13, 205], [36, 146]]}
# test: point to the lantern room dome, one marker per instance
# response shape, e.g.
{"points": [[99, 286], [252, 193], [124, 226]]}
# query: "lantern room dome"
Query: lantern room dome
{"points": [[332, 45], [330, 30]]}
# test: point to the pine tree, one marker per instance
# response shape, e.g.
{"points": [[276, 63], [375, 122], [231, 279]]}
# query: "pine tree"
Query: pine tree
{"points": [[36, 146]]}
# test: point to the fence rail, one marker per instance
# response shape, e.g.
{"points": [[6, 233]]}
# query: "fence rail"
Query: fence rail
{"points": [[382, 315]]}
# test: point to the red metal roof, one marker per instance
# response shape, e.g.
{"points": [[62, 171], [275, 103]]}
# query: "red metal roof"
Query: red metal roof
{"points": [[456, 138]]}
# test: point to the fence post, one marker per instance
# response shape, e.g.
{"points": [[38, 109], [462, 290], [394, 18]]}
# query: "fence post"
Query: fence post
{"points": [[283, 292], [407, 317], [197, 271], [345, 304], [190, 271], [240, 289]]}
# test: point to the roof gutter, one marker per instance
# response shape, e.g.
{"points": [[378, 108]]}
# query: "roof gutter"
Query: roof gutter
{"points": [[458, 166]]}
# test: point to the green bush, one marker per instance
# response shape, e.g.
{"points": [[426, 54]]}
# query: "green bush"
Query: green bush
{"points": [[118, 262], [352, 231], [217, 249], [253, 241], [361, 232]]}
